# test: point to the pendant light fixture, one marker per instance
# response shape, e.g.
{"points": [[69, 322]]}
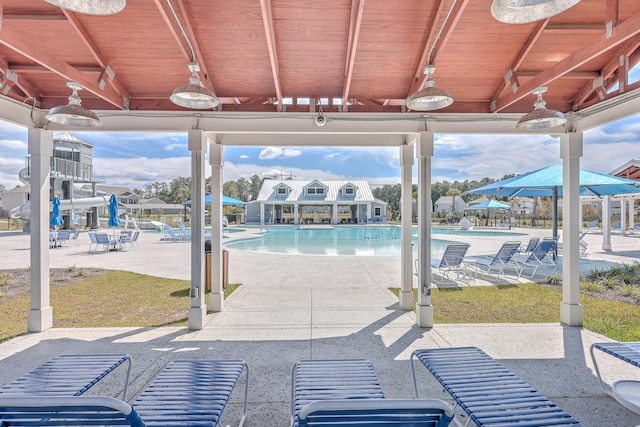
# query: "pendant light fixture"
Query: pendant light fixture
{"points": [[91, 7], [194, 95], [525, 11], [540, 117], [73, 114], [429, 98]]}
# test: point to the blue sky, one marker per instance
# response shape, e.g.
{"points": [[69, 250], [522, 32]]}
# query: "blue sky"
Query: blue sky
{"points": [[136, 160]]}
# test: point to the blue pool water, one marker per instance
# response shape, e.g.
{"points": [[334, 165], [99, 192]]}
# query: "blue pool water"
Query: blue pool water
{"points": [[348, 240]]}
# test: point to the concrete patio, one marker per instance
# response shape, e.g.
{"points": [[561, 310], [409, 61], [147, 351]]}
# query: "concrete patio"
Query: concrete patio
{"points": [[295, 307]]}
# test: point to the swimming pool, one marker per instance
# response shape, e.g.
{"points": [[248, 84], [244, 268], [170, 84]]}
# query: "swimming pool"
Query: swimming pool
{"points": [[338, 241]]}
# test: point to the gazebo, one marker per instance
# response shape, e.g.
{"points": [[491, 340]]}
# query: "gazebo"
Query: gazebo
{"points": [[334, 72]]}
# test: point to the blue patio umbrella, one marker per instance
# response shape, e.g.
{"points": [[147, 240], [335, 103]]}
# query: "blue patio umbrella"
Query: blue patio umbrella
{"points": [[226, 201], [114, 221], [56, 219], [548, 182]]}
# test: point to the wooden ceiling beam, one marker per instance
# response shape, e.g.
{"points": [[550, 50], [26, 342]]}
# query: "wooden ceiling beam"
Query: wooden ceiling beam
{"points": [[20, 82], [437, 40], [597, 84], [512, 73], [620, 34], [17, 43], [357, 9], [39, 69], [95, 52], [267, 19]]}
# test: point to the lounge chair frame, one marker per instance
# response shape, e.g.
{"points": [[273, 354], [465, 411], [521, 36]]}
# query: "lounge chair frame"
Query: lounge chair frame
{"points": [[452, 261], [185, 393], [498, 262], [541, 256], [626, 392], [488, 392], [347, 392], [68, 375]]}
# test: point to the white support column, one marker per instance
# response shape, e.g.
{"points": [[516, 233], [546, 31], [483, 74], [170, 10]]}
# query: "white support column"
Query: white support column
{"points": [[424, 153], [606, 223], [335, 213], [406, 251], [295, 214], [216, 158], [632, 223], [40, 146], [571, 151], [369, 203], [197, 143], [261, 213], [580, 220]]}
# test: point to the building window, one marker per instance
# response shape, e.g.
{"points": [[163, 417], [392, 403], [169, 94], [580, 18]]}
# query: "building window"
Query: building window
{"points": [[349, 191], [319, 190], [377, 211], [282, 191]]}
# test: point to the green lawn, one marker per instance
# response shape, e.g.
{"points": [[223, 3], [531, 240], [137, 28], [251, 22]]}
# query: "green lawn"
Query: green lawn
{"points": [[531, 303]]}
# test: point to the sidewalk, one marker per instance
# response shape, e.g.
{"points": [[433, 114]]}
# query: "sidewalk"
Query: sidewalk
{"points": [[295, 307]]}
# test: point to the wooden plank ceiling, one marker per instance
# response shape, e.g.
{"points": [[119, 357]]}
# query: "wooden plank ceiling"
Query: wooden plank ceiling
{"points": [[303, 55]]}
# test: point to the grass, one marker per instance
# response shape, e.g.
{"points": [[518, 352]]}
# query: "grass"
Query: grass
{"points": [[532, 303], [112, 299]]}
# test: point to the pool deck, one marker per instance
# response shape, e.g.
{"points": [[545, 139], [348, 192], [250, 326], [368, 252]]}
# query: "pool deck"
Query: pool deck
{"points": [[295, 307]]}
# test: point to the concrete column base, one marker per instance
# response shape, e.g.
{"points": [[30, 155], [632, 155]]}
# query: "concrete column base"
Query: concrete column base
{"points": [[571, 314], [406, 300], [216, 302], [197, 317], [39, 320], [606, 246], [424, 316]]}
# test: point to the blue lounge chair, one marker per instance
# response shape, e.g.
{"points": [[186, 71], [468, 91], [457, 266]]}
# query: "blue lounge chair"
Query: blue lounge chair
{"points": [[541, 256], [131, 240], [626, 392], [348, 393], [67, 375], [489, 393], [184, 230], [185, 393], [533, 242], [451, 262], [170, 236], [498, 262], [62, 238]]}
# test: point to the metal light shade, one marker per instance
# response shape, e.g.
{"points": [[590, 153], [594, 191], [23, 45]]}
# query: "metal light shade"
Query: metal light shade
{"points": [[73, 114], [429, 98], [525, 11], [540, 117], [91, 7], [194, 95]]}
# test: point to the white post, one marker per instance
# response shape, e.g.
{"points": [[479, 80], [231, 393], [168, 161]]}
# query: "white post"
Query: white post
{"points": [[406, 251], [606, 223], [216, 159], [580, 220], [295, 213], [261, 213], [632, 223], [335, 213], [424, 152], [571, 151], [198, 311], [40, 146]]}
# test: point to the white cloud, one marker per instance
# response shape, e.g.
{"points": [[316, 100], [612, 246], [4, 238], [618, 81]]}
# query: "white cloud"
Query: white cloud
{"points": [[141, 171], [13, 144], [244, 157], [270, 153], [171, 147]]}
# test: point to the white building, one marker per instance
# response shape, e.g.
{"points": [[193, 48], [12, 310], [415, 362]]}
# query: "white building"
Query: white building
{"points": [[445, 203], [299, 201]]}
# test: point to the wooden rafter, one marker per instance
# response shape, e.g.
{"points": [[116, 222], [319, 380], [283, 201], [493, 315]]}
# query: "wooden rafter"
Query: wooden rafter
{"points": [[22, 84], [267, 19], [515, 66], [437, 40], [357, 9], [620, 34], [606, 72], [95, 52], [32, 51]]}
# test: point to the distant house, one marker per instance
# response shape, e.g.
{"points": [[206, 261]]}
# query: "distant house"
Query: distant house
{"points": [[445, 203], [299, 201]]}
